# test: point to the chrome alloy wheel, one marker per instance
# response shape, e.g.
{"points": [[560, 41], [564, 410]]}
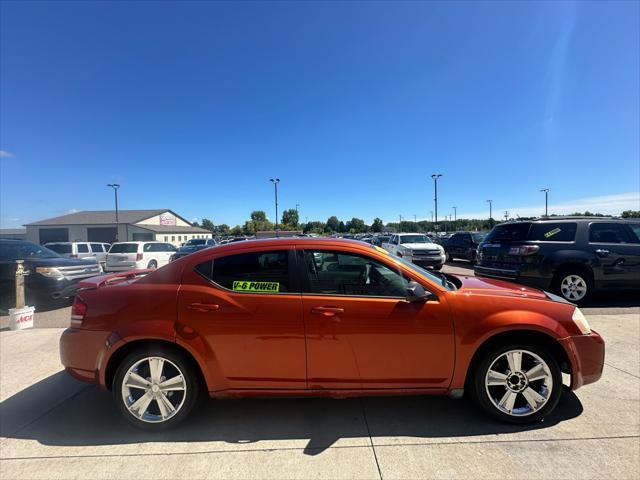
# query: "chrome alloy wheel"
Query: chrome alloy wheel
{"points": [[154, 389], [573, 287], [519, 383]]}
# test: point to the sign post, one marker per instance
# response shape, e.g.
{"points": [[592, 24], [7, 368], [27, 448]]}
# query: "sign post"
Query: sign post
{"points": [[20, 317]]}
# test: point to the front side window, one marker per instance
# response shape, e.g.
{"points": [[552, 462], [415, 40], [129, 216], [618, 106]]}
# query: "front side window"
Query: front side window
{"points": [[83, 248], [608, 233], [96, 248], [553, 232], [342, 273], [254, 272]]}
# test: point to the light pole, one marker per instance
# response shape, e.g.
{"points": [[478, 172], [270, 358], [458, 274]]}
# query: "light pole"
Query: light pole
{"points": [[455, 217], [490, 212], [546, 201], [275, 182], [435, 177], [115, 187]]}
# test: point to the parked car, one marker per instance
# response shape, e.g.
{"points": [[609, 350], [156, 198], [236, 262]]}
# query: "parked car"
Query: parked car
{"points": [[417, 248], [193, 245], [134, 255], [83, 250], [301, 316], [378, 240], [573, 256], [50, 278], [463, 245]]}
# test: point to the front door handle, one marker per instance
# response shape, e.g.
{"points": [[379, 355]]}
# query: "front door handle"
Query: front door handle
{"points": [[327, 311], [203, 307], [602, 252]]}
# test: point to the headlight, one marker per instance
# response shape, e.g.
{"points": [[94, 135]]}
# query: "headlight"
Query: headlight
{"points": [[405, 251], [581, 322], [49, 272]]}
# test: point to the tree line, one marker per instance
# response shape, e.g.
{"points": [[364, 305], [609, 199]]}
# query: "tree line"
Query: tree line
{"points": [[258, 222]]}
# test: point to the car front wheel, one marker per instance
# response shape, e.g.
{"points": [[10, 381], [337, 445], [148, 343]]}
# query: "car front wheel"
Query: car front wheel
{"points": [[155, 389], [517, 383]]}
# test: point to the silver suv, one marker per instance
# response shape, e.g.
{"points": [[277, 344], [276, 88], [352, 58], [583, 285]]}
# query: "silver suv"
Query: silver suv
{"points": [[81, 250]]}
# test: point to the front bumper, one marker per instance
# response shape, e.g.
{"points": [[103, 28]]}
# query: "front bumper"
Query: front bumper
{"points": [[427, 261], [586, 354], [82, 351]]}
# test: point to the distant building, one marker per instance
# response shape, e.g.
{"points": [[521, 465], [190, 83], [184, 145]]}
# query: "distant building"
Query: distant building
{"points": [[279, 233], [15, 233], [100, 226]]}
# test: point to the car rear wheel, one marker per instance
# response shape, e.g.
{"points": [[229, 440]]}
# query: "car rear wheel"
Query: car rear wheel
{"points": [[575, 286], [517, 383], [155, 389], [153, 264]]}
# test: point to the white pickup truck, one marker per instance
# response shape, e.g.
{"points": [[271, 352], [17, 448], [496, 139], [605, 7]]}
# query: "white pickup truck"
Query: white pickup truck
{"points": [[416, 248]]}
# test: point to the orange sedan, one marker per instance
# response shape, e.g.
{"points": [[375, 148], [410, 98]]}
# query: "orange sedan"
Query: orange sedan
{"points": [[322, 317]]}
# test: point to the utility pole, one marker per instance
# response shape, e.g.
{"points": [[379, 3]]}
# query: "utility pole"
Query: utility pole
{"points": [[490, 213], [506, 215], [546, 201], [435, 177], [455, 217], [275, 182], [115, 187]]}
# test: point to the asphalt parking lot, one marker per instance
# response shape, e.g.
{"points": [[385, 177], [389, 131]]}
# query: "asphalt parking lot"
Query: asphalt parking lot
{"points": [[52, 426]]}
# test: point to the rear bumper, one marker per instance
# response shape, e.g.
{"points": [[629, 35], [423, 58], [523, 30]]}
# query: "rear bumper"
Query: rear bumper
{"points": [[81, 352], [125, 267], [517, 276], [586, 354]]}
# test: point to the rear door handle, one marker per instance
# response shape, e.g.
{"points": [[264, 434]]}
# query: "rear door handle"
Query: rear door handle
{"points": [[203, 307], [327, 311], [602, 252]]}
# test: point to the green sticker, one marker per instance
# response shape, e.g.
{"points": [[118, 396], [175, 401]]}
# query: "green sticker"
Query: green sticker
{"points": [[551, 233], [247, 286]]}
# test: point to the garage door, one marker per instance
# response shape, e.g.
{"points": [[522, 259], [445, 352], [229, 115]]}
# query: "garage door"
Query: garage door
{"points": [[102, 234], [47, 235]]}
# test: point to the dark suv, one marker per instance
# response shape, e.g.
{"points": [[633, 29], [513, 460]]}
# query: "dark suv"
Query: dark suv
{"points": [[463, 245], [50, 278], [572, 256]]}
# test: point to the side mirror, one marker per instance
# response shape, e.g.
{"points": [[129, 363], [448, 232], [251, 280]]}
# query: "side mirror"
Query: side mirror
{"points": [[417, 293]]}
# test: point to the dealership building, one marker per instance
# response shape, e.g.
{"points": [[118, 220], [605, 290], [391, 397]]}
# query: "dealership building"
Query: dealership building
{"points": [[101, 226]]}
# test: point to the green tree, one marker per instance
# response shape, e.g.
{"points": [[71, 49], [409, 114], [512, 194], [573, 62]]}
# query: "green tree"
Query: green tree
{"points": [[314, 227], [356, 225], [258, 216], [631, 214], [377, 225], [195, 224], [290, 217], [236, 231], [222, 229], [208, 224], [333, 224]]}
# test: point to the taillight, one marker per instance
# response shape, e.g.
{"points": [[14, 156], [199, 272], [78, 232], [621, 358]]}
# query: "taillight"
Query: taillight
{"points": [[78, 311], [524, 250], [138, 257]]}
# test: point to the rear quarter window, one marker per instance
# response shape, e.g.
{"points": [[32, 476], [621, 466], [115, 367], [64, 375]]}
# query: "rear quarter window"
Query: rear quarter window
{"points": [[553, 232], [124, 248]]}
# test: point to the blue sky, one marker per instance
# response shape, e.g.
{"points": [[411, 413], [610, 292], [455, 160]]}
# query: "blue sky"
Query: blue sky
{"points": [[195, 105]]}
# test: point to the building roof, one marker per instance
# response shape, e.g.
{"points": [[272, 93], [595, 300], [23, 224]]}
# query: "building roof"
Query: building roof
{"points": [[173, 229], [13, 231], [101, 217]]}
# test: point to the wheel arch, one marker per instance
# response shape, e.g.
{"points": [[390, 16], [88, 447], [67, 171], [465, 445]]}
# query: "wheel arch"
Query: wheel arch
{"points": [[524, 336]]}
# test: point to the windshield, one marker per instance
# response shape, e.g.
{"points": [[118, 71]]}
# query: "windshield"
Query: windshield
{"points": [[433, 276], [509, 232], [124, 248], [26, 250], [414, 239], [478, 237], [60, 247], [197, 241]]}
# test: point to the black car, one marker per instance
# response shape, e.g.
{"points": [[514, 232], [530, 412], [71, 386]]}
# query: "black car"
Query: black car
{"points": [[463, 245], [193, 245], [572, 256], [50, 278]]}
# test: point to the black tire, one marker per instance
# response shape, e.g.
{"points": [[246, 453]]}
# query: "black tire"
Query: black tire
{"points": [[152, 264], [479, 391], [187, 401], [565, 274], [449, 257]]}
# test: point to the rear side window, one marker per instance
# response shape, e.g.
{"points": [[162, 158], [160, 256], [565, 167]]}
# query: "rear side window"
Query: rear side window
{"points": [[83, 248], [553, 232], [96, 248], [509, 232], [60, 248], [635, 228], [124, 248], [609, 233], [255, 272]]}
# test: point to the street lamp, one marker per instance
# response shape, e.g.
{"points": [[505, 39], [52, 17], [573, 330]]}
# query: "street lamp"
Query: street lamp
{"points": [[275, 182], [546, 201], [435, 177], [455, 217], [115, 187], [490, 212]]}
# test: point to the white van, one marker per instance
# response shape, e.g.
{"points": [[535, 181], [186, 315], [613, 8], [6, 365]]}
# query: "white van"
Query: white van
{"points": [[124, 256], [81, 250]]}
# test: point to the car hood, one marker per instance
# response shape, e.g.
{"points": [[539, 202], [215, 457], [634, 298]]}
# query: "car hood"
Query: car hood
{"points": [[498, 288], [425, 246]]}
